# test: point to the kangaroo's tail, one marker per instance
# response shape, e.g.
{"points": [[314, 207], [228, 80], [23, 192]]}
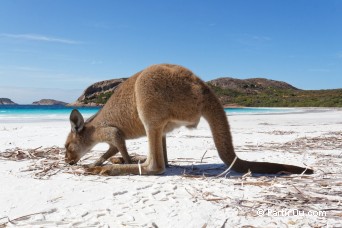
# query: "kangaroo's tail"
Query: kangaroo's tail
{"points": [[216, 117]]}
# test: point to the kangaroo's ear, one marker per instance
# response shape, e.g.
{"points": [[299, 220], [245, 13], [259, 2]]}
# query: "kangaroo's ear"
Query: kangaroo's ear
{"points": [[77, 121]]}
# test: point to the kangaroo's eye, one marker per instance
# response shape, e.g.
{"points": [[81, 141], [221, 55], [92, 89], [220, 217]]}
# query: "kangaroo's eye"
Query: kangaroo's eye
{"points": [[72, 147], [69, 147]]}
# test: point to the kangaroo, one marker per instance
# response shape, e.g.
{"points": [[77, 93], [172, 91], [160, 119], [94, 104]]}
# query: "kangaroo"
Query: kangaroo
{"points": [[152, 103]]}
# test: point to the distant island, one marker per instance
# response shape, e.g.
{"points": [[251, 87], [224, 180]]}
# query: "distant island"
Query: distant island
{"points": [[6, 101], [49, 102], [253, 92]]}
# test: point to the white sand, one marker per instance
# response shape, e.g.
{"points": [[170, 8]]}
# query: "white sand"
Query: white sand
{"points": [[177, 200]]}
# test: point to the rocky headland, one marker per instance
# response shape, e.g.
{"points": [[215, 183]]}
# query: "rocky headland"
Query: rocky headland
{"points": [[98, 93], [6, 101], [49, 102]]}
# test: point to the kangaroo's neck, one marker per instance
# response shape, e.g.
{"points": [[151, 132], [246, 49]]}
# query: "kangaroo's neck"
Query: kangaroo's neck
{"points": [[89, 134], [120, 111]]}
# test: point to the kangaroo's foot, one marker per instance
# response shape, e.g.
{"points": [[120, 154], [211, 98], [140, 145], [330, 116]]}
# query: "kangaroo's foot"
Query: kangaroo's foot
{"points": [[123, 169], [145, 168], [98, 167]]}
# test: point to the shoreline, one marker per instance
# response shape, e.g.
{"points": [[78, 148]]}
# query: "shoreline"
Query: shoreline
{"points": [[291, 111], [46, 116]]}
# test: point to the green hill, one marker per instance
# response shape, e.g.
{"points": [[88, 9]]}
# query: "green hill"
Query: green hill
{"points": [[259, 92]]}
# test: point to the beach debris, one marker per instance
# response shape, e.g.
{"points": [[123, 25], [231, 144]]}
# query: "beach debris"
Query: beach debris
{"points": [[46, 162], [328, 141]]}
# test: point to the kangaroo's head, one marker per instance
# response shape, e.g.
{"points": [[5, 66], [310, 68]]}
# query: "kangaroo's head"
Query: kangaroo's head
{"points": [[79, 140]]}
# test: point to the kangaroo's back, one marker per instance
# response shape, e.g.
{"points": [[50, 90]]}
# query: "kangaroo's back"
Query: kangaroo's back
{"points": [[169, 95]]}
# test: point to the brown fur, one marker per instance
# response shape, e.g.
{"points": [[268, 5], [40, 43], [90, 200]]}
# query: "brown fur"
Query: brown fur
{"points": [[153, 102]]}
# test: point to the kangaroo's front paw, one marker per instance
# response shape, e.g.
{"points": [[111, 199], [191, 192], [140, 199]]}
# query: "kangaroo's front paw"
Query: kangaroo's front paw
{"points": [[135, 159], [116, 160], [97, 170], [138, 158]]}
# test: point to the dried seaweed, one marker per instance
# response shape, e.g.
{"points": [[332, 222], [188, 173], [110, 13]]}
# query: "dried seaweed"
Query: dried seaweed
{"points": [[46, 162], [327, 141]]}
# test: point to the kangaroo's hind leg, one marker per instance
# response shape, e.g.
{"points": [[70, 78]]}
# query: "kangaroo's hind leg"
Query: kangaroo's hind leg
{"points": [[155, 159]]}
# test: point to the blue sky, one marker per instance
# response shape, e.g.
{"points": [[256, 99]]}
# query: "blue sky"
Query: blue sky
{"points": [[55, 49]]}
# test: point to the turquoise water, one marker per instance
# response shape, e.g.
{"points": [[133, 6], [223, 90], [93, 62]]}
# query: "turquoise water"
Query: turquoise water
{"points": [[240, 111], [46, 109], [32, 113]]}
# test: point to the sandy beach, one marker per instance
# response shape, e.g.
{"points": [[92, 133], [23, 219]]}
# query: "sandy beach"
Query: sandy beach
{"points": [[188, 194]]}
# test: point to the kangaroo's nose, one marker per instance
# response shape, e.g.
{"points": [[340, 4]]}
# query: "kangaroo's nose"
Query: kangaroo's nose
{"points": [[70, 162]]}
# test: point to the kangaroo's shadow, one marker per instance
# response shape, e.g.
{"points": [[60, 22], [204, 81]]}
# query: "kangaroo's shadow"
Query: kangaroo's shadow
{"points": [[194, 170], [199, 170], [210, 170]]}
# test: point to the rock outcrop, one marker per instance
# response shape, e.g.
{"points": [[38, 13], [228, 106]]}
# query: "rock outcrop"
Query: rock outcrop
{"points": [[98, 93], [49, 102], [6, 101]]}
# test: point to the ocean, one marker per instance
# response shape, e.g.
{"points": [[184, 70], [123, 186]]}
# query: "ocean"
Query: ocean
{"points": [[38, 113]]}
